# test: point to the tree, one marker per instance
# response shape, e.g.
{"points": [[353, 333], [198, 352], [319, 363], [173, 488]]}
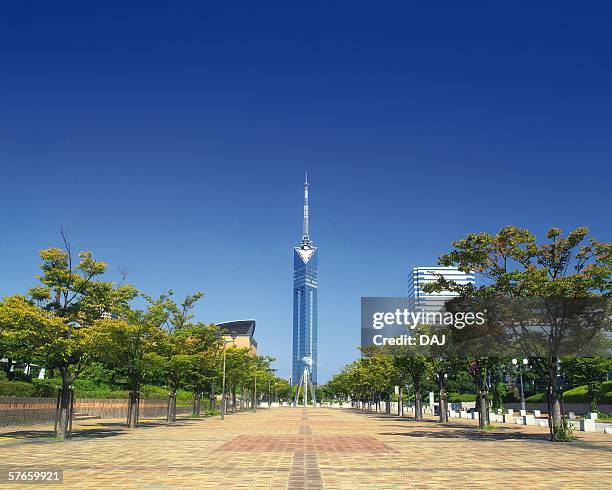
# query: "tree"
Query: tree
{"points": [[21, 324], [201, 341], [181, 358], [416, 367], [179, 316], [53, 325], [513, 265], [483, 370], [238, 366], [589, 371], [282, 390], [124, 345], [443, 368]]}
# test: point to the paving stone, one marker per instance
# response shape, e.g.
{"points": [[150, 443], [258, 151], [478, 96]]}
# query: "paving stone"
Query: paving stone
{"points": [[314, 448]]}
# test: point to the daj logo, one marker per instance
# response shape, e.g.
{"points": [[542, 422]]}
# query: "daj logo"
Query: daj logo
{"points": [[453, 326]]}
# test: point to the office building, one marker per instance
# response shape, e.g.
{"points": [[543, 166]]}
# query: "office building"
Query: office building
{"points": [[420, 276]]}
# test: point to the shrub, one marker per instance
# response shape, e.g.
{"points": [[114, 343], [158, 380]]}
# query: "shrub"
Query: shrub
{"points": [[153, 392], [89, 385], [579, 394], [86, 388], [102, 393], [511, 396], [537, 398], [465, 397], [565, 432], [46, 387], [16, 388], [184, 395]]}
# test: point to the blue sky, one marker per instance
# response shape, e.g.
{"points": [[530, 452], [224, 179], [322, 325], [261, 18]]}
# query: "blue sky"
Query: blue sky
{"points": [[172, 140]]}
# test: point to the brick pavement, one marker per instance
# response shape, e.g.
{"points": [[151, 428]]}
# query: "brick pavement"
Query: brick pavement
{"points": [[316, 448]]}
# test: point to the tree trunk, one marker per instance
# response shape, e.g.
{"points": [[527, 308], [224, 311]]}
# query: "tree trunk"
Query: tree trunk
{"points": [[555, 407], [554, 415], [418, 407], [443, 406], [63, 415], [234, 402], [388, 404], [133, 409], [197, 404], [171, 414], [483, 410], [400, 402]]}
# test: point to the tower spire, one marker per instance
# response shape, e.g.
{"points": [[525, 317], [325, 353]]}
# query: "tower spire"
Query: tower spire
{"points": [[306, 228]]}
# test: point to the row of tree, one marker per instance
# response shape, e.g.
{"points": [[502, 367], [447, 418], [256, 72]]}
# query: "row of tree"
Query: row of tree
{"points": [[549, 302], [73, 319], [375, 376]]}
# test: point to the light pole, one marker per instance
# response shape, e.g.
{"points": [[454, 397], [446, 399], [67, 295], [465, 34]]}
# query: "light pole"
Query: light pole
{"points": [[234, 334], [255, 392], [520, 370]]}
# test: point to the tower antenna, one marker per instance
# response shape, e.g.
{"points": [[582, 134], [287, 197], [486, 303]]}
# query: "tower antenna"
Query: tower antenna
{"points": [[306, 227]]}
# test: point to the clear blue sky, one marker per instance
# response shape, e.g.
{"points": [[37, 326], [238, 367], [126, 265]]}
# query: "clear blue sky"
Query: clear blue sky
{"points": [[172, 141]]}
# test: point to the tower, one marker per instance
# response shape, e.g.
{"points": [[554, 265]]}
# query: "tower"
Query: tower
{"points": [[305, 285]]}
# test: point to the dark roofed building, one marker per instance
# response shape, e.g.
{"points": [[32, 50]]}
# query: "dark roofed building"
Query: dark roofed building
{"points": [[245, 329]]}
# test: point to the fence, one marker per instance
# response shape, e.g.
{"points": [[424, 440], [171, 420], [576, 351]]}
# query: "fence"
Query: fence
{"points": [[32, 410]]}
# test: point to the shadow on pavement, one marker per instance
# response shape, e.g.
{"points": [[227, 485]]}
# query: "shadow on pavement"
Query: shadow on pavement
{"points": [[47, 435], [97, 430], [472, 433]]}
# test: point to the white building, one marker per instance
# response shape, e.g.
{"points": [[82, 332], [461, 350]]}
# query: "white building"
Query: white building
{"points": [[424, 275]]}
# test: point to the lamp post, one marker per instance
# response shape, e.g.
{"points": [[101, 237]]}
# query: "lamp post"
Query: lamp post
{"points": [[234, 334], [515, 362], [255, 392]]}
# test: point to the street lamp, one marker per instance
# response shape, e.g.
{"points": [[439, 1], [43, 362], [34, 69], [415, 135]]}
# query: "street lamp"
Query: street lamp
{"points": [[515, 362], [234, 334], [255, 391]]}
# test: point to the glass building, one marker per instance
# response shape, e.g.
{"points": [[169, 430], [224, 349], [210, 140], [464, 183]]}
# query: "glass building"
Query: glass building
{"points": [[305, 284], [421, 276]]}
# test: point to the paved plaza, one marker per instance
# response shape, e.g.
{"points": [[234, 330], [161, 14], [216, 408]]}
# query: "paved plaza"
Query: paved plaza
{"points": [[314, 448]]}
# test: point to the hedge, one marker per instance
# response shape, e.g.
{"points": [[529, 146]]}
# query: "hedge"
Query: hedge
{"points": [[16, 388], [465, 397], [85, 389], [537, 398], [577, 395]]}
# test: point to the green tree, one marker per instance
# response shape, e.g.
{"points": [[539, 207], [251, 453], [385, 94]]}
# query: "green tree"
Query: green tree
{"points": [[282, 390], [513, 265], [124, 345], [201, 341], [53, 327], [416, 367], [238, 365]]}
